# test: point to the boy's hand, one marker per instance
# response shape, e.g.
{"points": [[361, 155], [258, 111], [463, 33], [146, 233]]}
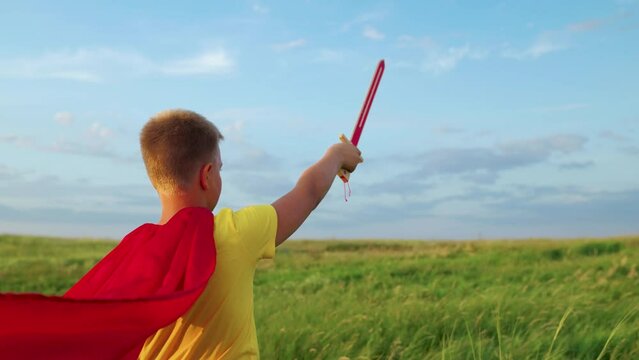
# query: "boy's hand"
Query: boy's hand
{"points": [[348, 155]]}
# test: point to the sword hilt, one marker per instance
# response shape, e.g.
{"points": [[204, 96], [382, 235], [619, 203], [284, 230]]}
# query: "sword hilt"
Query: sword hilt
{"points": [[343, 174]]}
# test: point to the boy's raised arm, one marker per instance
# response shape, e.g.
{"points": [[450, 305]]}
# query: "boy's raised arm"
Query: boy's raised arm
{"points": [[294, 207]]}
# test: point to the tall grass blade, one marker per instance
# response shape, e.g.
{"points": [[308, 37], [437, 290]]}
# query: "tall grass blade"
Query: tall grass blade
{"points": [[561, 325], [470, 337], [499, 334], [612, 333]]}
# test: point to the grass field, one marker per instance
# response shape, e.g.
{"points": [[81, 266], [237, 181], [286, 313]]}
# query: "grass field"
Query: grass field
{"points": [[536, 299]]}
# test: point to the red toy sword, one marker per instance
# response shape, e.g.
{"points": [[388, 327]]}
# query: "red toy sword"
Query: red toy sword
{"points": [[366, 107]]}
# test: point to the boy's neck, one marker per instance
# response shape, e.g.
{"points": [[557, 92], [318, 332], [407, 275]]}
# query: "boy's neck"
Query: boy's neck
{"points": [[171, 204]]}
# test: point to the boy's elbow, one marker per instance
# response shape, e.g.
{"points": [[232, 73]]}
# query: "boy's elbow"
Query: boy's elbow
{"points": [[313, 196], [318, 193], [312, 192], [315, 204]]}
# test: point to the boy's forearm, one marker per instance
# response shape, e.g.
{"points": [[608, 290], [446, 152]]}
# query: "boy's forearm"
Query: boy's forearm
{"points": [[318, 178]]}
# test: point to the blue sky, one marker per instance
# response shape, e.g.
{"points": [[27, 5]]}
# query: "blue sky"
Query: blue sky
{"points": [[493, 119]]}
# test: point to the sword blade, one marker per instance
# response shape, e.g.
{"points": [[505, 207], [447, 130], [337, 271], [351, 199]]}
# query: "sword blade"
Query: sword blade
{"points": [[359, 126]]}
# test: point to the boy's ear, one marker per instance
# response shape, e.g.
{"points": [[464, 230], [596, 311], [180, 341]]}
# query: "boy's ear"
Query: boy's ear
{"points": [[205, 172]]}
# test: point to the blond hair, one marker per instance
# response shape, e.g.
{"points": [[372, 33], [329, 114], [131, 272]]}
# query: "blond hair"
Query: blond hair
{"points": [[174, 144]]}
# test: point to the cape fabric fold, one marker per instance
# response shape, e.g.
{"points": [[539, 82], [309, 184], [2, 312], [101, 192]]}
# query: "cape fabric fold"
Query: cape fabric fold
{"points": [[145, 283]]}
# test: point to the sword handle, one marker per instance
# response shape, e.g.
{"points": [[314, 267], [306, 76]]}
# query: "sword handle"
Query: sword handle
{"points": [[343, 174]]}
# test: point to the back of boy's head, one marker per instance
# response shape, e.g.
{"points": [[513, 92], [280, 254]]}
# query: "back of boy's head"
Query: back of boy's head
{"points": [[174, 144]]}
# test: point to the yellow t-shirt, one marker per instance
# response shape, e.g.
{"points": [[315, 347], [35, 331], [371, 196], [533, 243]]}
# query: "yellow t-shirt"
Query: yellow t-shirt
{"points": [[221, 324]]}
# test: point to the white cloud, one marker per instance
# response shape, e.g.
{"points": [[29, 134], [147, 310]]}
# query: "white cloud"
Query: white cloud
{"points": [[403, 64], [370, 32], [234, 131], [483, 163], [213, 62], [576, 165], [63, 118], [97, 149], [362, 18], [408, 41], [42, 203], [21, 141], [614, 136], [545, 44], [447, 129], [585, 25], [99, 131], [95, 141], [563, 107], [260, 9], [8, 174], [82, 76], [98, 64], [631, 150], [562, 143], [290, 45], [330, 56], [85, 65], [438, 62], [438, 59]]}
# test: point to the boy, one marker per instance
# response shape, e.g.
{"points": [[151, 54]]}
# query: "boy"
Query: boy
{"points": [[182, 157]]}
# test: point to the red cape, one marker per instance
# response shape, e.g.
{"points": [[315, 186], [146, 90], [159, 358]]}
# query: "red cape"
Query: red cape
{"points": [[149, 280]]}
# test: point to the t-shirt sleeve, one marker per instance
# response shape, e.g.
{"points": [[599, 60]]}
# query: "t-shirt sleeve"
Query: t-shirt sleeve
{"points": [[257, 226]]}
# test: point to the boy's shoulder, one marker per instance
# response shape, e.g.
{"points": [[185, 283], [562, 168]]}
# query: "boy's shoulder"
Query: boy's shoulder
{"points": [[254, 227], [246, 217]]}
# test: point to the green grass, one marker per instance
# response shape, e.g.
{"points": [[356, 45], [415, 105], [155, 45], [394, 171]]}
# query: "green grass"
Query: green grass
{"points": [[535, 299]]}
